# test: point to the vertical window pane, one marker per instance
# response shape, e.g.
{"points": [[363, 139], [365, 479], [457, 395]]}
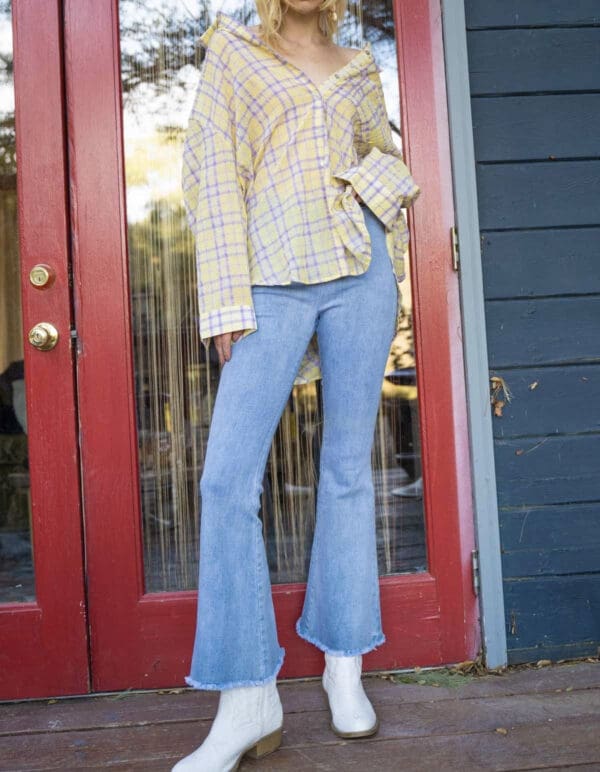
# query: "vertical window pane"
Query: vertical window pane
{"points": [[16, 560], [176, 383]]}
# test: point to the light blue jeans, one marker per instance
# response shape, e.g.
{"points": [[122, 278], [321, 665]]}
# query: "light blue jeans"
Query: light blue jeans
{"points": [[236, 638]]}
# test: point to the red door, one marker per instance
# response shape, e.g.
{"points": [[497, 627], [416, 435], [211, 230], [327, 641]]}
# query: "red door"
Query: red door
{"points": [[43, 626], [145, 385]]}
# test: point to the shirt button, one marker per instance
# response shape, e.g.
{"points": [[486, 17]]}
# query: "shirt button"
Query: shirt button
{"points": [[324, 162]]}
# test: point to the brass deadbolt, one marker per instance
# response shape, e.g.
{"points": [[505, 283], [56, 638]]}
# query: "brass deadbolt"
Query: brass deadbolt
{"points": [[41, 275], [44, 336]]}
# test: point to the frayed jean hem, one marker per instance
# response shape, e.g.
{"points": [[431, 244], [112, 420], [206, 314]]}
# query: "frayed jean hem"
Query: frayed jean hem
{"points": [[377, 641], [236, 684]]}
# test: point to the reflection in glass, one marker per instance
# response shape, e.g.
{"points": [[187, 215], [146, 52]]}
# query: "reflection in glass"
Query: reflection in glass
{"points": [[16, 560], [176, 382]]}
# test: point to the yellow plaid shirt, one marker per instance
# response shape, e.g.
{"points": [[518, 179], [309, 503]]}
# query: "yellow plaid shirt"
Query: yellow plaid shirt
{"points": [[269, 164]]}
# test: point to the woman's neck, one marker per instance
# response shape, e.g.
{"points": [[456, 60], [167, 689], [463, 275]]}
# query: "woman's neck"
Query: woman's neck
{"points": [[301, 30]]}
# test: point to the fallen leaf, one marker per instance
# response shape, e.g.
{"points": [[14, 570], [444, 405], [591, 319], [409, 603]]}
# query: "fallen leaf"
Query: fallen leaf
{"points": [[501, 730], [500, 394], [468, 663], [533, 385], [543, 662]]}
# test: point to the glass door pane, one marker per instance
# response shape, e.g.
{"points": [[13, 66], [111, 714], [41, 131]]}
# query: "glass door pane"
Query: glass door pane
{"points": [[176, 381], [16, 558]]}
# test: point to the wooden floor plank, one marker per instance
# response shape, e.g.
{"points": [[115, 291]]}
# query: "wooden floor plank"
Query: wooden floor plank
{"points": [[297, 696], [593, 766], [519, 750], [550, 716], [523, 748], [425, 720]]}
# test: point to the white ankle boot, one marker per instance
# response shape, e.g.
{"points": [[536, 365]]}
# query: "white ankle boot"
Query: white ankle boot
{"points": [[352, 714], [249, 720]]}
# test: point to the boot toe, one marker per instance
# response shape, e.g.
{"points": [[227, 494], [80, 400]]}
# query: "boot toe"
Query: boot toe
{"points": [[357, 723]]}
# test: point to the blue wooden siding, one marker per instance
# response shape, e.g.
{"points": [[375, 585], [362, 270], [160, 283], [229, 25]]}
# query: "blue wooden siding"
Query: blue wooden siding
{"points": [[535, 85]]}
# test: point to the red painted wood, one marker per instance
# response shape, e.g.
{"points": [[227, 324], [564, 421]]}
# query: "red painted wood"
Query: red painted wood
{"points": [[437, 320], [43, 644], [122, 653], [143, 640]]}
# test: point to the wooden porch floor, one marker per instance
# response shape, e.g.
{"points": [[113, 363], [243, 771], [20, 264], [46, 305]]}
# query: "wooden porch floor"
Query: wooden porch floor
{"points": [[525, 718]]}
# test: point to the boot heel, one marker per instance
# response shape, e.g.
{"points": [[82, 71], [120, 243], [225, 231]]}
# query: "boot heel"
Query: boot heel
{"points": [[266, 744]]}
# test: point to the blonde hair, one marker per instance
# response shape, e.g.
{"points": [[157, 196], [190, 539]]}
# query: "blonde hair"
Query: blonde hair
{"points": [[271, 17]]}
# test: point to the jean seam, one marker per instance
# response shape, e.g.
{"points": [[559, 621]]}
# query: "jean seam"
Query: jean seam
{"points": [[260, 596], [260, 470]]}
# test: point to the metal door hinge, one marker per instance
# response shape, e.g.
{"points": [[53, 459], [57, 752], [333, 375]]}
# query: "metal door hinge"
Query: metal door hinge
{"points": [[455, 248], [475, 570]]}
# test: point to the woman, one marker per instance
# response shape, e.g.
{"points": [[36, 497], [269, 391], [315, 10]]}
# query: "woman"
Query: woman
{"points": [[294, 191]]}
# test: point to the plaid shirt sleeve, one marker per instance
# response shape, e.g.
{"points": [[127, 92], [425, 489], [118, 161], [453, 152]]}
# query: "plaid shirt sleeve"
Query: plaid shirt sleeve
{"points": [[214, 198], [381, 178]]}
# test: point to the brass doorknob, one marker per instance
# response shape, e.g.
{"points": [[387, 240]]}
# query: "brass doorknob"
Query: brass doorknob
{"points": [[44, 336]]}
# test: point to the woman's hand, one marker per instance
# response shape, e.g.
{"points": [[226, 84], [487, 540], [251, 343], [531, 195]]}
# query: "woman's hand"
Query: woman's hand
{"points": [[223, 345]]}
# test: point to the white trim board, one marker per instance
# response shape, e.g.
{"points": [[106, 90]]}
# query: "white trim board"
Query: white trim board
{"points": [[485, 500]]}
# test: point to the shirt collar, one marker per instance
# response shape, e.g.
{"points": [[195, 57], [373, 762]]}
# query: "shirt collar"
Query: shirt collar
{"points": [[364, 57]]}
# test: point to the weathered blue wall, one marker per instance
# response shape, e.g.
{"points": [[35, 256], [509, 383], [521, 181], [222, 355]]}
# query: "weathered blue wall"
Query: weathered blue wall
{"points": [[535, 85]]}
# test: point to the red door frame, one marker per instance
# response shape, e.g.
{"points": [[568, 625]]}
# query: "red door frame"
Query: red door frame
{"points": [[144, 640], [43, 644]]}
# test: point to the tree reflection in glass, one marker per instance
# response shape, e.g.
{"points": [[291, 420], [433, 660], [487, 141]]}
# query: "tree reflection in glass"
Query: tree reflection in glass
{"points": [[176, 381], [16, 558]]}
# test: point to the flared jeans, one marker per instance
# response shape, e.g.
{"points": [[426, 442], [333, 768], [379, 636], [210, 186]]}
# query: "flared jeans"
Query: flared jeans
{"points": [[236, 641]]}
